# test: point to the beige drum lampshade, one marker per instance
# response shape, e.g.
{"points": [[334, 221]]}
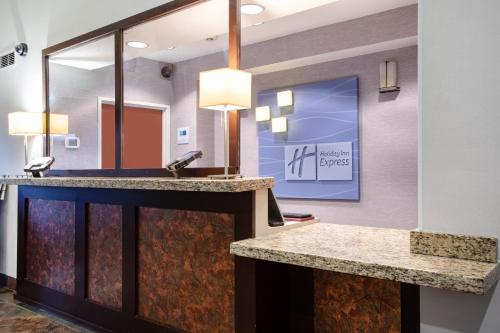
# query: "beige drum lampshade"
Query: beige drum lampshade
{"points": [[225, 89], [26, 123], [58, 124]]}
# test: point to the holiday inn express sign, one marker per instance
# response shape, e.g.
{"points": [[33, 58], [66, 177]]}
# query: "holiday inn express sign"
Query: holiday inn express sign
{"points": [[325, 161]]}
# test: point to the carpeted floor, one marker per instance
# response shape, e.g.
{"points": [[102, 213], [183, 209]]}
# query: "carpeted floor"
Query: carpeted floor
{"points": [[18, 317]]}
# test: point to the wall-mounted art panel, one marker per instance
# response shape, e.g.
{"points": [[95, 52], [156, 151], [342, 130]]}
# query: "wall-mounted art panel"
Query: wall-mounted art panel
{"points": [[318, 155], [104, 255], [185, 272], [50, 244]]}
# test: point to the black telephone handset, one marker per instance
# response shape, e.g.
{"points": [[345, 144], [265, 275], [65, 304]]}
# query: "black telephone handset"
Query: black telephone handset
{"points": [[183, 162], [39, 165]]}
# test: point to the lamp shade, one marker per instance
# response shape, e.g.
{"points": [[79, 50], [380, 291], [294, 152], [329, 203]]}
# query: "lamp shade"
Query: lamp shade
{"points": [[26, 123], [58, 124], [225, 89]]}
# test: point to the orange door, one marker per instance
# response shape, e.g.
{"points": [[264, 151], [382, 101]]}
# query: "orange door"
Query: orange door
{"points": [[142, 138]]}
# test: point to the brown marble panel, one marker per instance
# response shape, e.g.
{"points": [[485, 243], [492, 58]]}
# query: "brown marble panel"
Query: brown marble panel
{"points": [[345, 303], [185, 271], [50, 244], [104, 251]]}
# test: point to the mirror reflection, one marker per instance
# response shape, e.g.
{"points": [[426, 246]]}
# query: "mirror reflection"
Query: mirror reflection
{"points": [[161, 119], [78, 77]]}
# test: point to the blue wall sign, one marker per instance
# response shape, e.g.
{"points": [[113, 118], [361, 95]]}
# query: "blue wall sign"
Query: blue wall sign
{"points": [[318, 157]]}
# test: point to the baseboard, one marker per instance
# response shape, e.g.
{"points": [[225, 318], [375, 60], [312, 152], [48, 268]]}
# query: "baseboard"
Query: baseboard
{"points": [[8, 281]]}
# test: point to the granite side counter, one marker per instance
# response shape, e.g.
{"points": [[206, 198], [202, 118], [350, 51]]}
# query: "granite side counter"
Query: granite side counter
{"points": [[371, 252], [340, 278]]}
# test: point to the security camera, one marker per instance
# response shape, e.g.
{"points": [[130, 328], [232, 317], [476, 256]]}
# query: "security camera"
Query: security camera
{"points": [[22, 49], [167, 71]]}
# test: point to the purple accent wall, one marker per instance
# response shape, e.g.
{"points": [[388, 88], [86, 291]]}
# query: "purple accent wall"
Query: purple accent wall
{"points": [[388, 123], [388, 140]]}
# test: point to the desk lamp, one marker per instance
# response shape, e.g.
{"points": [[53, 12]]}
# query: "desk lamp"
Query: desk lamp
{"points": [[225, 90], [26, 124]]}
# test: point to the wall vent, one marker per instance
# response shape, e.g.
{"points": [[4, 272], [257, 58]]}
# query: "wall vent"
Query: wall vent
{"points": [[7, 60]]}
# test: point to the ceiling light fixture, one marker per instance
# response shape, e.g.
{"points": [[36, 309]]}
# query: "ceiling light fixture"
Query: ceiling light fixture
{"points": [[257, 24], [251, 9], [137, 45], [171, 48]]}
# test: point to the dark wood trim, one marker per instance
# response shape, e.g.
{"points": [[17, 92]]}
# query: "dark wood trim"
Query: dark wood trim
{"points": [[188, 172], [234, 62], [8, 281], [117, 29], [244, 270], [22, 217], [46, 98], [129, 278], [285, 298], [410, 308], [80, 250], [234, 141], [119, 98], [126, 23], [234, 34]]}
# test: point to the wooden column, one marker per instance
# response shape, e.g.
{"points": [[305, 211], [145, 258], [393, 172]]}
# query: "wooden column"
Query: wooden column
{"points": [[234, 62]]}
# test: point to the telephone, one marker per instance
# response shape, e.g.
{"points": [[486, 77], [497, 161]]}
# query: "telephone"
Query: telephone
{"points": [[183, 162], [39, 165]]}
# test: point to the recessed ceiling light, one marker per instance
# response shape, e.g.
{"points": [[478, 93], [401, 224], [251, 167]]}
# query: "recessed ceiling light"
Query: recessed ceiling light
{"points": [[137, 45], [258, 23], [251, 9], [170, 47]]}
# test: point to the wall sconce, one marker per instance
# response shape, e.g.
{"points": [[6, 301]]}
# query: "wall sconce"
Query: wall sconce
{"points": [[388, 77], [279, 125], [285, 98], [262, 113]]}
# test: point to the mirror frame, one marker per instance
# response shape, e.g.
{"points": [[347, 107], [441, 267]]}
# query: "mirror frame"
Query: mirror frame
{"points": [[117, 29]]}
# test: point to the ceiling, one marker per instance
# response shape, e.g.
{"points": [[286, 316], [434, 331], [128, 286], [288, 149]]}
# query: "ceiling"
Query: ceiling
{"points": [[187, 30]]}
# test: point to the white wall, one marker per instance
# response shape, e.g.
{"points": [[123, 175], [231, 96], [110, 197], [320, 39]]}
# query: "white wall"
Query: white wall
{"points": [[40, 23], [460, 71], [20, 89]]}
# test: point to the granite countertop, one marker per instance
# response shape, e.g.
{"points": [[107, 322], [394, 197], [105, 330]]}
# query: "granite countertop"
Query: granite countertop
{"points": [[160, 184], [373, 252]]}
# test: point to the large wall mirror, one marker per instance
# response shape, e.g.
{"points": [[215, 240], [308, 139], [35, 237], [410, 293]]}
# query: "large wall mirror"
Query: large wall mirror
{"points": [[160, 63], [161, 71], [78, 77]]}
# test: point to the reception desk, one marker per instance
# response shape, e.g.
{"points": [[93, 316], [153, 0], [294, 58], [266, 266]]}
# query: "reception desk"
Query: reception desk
{"points": [[139, 254], [197, 255]]}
